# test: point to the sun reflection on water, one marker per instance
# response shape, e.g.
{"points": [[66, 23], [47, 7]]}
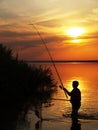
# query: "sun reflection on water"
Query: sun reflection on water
{"points": [[87, 75]]}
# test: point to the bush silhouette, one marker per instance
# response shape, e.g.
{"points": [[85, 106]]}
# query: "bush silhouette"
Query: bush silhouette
{"points": [[20, 80]]}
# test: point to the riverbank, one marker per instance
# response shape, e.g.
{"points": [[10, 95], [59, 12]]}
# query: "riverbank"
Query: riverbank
{"points": [[58, 123]]}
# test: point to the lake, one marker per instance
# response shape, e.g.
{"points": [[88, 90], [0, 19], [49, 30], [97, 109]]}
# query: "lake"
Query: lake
{"points": [[52, 113]]}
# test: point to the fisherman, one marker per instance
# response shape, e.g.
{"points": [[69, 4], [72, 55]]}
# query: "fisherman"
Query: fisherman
{"points": [[75, 99]]}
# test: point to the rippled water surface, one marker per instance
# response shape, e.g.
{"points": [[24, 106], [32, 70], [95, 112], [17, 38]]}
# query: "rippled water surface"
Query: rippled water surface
{"points": [[87, 75]]}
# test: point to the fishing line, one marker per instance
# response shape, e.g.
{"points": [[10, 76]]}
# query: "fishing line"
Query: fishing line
{"points": [[43, 41]]}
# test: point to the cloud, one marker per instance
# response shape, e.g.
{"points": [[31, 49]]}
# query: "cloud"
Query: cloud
{"points": [[5, 15], [51, 16], [1, 0], [15, 34], [23, 39], [93, 35], [49, 23]]}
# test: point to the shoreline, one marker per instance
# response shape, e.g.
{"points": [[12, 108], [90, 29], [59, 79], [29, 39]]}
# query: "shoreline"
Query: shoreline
{"points": [[62, 123]]}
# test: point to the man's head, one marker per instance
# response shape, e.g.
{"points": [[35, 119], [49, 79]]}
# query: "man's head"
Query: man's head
{"points": [[75, 84]]}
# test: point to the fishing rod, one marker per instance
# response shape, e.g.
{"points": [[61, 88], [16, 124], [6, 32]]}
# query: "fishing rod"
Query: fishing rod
{"points": [[59, 99], [43, 41]]}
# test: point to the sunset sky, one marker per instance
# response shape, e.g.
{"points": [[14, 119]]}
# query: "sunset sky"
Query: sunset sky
{"points": [[53, 19]]}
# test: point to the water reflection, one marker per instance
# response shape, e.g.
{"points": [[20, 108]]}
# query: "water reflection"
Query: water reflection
{"points": [[87, 75], [38, 125], [34, 106], [75, 125]]}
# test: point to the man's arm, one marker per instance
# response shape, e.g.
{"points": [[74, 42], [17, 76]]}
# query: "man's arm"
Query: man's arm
{"points": [[65, 90]]}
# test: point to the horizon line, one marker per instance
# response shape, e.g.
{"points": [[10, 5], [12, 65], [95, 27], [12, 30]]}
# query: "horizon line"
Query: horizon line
{"points": [[48, 61]]}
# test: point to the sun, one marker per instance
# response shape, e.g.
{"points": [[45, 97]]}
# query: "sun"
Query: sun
{"points": [[75, 31]]}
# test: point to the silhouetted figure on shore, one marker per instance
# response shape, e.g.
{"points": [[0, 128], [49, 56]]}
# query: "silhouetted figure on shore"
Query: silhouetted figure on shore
{"points": [[75, 99]]}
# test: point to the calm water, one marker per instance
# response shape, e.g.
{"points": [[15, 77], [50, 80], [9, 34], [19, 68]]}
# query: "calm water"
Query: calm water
{"points": [[87, 75]]}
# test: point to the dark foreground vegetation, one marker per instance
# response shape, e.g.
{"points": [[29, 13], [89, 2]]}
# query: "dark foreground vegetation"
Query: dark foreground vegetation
{"points": [[19, 84]]}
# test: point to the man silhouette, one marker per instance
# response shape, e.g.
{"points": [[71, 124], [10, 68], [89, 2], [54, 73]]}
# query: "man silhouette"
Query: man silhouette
{"points": [[75, 99]]}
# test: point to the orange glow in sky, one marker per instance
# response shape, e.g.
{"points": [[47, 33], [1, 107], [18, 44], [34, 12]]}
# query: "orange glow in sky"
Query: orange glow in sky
{"points": [[52, 18]]}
